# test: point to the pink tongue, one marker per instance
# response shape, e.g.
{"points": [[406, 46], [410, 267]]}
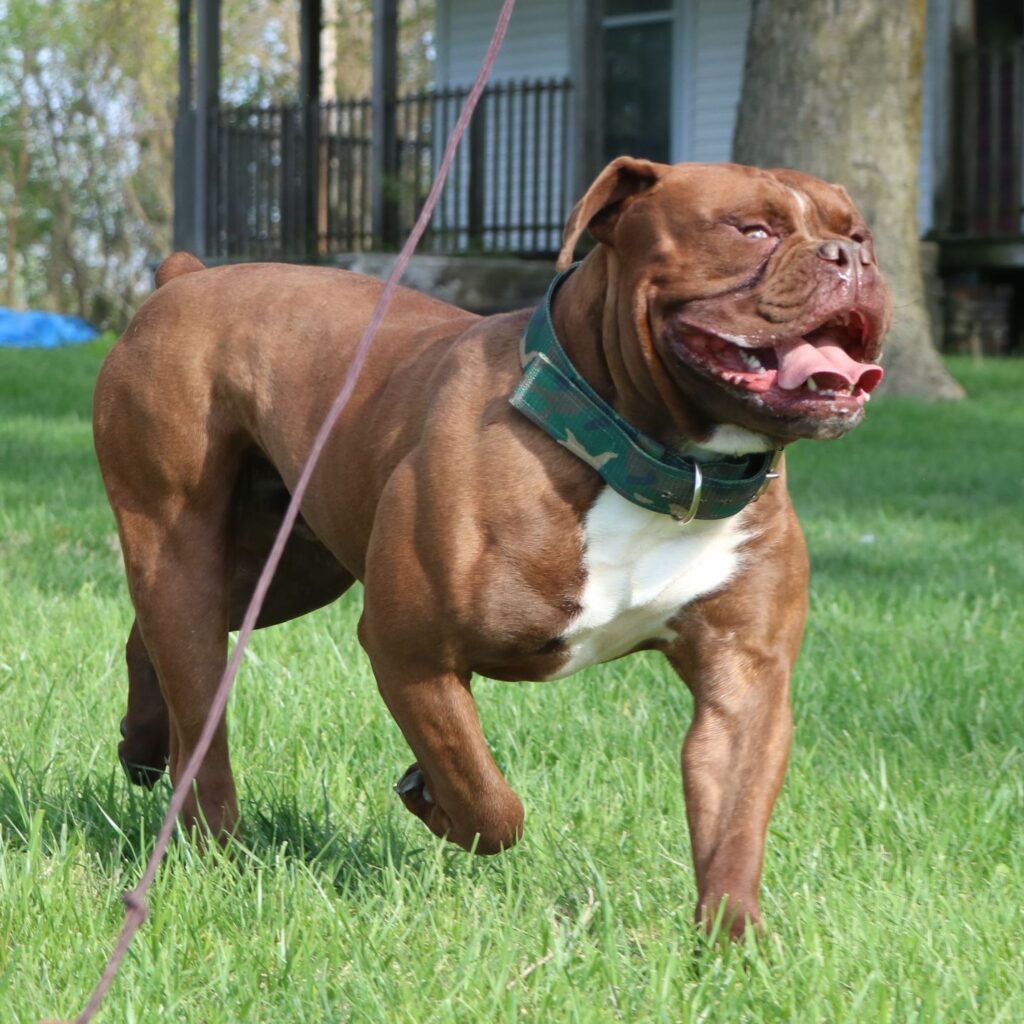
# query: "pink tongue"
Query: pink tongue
{"points": [[800, 360]]}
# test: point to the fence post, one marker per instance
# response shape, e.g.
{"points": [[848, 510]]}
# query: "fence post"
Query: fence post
{"points": [[477, 173], [207, 102], [310, 25], [586, 61], [384, 162], [1017, 139], [184, 136], [969, 139]]}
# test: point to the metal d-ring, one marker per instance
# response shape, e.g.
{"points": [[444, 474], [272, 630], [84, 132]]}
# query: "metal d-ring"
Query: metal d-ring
{"points": [[698, 485], [772, 474]]}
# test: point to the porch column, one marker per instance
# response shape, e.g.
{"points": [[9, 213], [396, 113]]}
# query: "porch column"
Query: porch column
{"points": [[310, 25], [207, 99], [184, 136], [586, 69], [311, 22], [384, 162]]}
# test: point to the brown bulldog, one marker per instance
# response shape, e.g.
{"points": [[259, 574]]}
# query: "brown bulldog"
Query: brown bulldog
{"points": [[725, 312]]}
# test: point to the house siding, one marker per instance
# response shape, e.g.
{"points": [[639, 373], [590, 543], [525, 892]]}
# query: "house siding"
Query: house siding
{"points": [[709, 49], [714, 67], [537, 44], [529, 163], [710, 43]]}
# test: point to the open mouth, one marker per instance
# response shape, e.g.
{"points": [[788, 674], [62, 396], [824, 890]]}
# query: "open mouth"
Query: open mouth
{"points": [[826, 366]]}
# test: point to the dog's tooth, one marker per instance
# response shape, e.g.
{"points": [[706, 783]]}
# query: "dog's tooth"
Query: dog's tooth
{"points": [[810, 385], [750, 360]]}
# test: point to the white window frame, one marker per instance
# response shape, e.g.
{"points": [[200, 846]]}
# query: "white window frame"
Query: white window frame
{"points": [[681, 15]]}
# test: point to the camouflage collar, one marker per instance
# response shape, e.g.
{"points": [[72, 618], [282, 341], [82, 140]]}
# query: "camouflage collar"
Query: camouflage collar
{"points": [[554, 396]]}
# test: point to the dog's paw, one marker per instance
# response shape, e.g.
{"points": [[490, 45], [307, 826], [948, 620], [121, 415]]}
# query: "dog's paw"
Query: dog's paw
{"points": [[412, 786], [143, 768], [413, 790], [142, 774]]}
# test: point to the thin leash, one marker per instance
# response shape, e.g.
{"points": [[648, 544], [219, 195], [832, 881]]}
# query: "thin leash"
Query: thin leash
{"points": [[135, 900]]}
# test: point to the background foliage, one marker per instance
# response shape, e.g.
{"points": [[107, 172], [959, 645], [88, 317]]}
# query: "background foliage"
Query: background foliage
{"points": [[88, 93], [85, 150]]}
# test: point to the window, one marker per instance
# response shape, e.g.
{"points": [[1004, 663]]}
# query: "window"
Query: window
{"points": [[617, 8], [638, 79]]}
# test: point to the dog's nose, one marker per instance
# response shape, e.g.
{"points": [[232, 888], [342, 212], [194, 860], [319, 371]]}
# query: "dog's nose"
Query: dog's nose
{"points": [[845, 253], [842, 253], [830, 251]]}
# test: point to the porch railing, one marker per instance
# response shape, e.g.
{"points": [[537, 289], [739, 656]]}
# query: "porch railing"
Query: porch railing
{"points": [[296, 181], [257, 182], [987, 174]]}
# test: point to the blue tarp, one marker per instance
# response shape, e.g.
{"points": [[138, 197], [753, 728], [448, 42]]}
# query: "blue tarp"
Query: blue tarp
{"points": [[35, 329]]}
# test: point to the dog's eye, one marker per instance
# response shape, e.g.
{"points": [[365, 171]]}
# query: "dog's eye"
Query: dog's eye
{"points": [[755, 231]]}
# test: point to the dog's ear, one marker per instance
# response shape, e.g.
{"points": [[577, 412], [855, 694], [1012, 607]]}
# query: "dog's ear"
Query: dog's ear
{"points": [[616, 186]]}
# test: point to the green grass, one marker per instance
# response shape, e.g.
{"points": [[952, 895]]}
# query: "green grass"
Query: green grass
{"points": [[894, 881]]}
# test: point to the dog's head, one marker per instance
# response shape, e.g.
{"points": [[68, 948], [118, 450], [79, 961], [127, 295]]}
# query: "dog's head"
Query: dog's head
{"points": [[755, 293]]}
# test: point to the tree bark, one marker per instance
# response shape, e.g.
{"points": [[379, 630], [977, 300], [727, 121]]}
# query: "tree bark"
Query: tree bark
{"points": [[833, 88], [18, 167]]}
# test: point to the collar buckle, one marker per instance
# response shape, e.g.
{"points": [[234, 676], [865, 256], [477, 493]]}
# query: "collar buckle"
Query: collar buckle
{"points": [[770, 475], [698, 485]]}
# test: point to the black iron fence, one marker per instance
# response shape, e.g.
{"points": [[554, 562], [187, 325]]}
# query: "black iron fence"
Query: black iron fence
{"points": [[343, 190], [987, 179], [298, 182], [257, 182]]}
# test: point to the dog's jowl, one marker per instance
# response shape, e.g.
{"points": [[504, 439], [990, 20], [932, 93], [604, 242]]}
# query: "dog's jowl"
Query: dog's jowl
{"points": [[521, 495]]}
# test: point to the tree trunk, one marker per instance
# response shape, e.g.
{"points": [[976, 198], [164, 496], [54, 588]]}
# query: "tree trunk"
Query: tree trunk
{"points": [[833, 88], [19, 167]]}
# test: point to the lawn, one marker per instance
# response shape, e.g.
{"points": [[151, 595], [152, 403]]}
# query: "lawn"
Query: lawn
{"points": [[894, 880]]}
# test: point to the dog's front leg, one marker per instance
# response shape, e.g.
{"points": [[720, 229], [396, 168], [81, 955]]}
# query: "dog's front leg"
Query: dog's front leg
{"points": [[735, 651], [733, 762], [455, 787], [408, 630]]}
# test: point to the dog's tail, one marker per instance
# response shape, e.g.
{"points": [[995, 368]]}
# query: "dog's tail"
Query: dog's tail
{"points": [[175, 265]]}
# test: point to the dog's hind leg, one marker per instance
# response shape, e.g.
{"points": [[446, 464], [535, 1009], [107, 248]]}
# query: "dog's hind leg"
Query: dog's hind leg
{"points": [[178, 575], [145, 729], [170, 487]]}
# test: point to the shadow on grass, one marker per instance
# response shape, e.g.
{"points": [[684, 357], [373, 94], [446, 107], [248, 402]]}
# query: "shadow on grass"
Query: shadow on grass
{"points": [[117, 824], [351, 860], [112, 820]]}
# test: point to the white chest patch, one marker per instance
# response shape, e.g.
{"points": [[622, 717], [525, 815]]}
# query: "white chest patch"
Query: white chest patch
{"points": [[642, 567]]}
